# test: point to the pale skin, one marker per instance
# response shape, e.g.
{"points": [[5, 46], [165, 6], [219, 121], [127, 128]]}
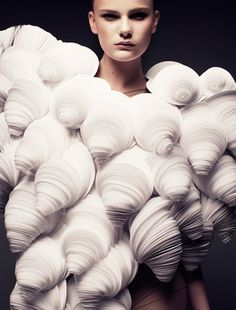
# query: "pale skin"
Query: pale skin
{"points": [[124, 30], [131, 22]]}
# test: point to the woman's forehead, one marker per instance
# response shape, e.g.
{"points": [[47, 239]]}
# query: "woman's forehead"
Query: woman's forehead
{"points": [[117, 4]]}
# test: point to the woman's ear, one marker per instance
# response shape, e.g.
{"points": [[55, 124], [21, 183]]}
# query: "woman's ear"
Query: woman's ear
{"points": [[92, 22], [155, 21]]}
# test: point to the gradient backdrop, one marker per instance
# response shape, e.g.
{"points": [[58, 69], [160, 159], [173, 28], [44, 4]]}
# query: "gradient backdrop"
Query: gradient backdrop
{"points": [[200, 34]]}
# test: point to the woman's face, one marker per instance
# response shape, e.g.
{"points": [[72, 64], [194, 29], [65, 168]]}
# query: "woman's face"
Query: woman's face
{"points": [[124, 28]]}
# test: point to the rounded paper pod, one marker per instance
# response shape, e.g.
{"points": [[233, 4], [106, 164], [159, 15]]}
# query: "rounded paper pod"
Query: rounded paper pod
{"points": [[43, 139], [188, 214], [4, 134], [23, 221], [220, 216], [35, 38], [41, 266], [65, 61], [223, 106], [17, 63], [107, 277], [73, 99], [108, 128], [216, 80], [27, 100], [125, 183], [9, 175], [195, 251], [172, 174], [54, 298], [203, 140], [220, 183], [155, 69], [60, 182], [155, 238], [157, 123], [177, 84], [89, 235]]}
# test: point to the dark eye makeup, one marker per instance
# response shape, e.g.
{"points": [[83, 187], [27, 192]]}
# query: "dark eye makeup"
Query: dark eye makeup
{"points": [[135, 16], [138, 15], [109, 16]]}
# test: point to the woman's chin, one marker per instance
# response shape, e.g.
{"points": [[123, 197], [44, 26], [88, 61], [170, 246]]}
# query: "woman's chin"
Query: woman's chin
{"points": [[124, 56]]}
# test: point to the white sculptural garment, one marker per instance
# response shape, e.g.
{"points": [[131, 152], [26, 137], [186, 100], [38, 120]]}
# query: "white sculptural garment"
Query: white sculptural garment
{"points": [[93, 183]]}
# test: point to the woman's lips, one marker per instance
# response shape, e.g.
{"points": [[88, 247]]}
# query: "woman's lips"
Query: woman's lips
{"points": [[125, 44]]}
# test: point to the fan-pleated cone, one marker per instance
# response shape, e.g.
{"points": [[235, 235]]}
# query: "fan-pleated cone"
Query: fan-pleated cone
{"points": [[17, 301], [220, 216], [112, 304], [125, 183], [17, 63], [177, 84], [216, 80], [108, 128], [7, 37], [3, 98], [89, 235], [122, 301], [4, 133], [188, 214], [9, 175], [54, 298], [65, 61], [220, 183], [157, 123], [107, 277], [155, 238], [203, 140], [60, 182], [73, 99], [224, 108], [43, 139], [195, 251], [124, 298], [72, 296], [172, 174], [23, 222], [35, 38], [27, 100], [41, 266]]}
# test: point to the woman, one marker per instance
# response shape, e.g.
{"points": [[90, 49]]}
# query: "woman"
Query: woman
{"points": [[124, 30]]}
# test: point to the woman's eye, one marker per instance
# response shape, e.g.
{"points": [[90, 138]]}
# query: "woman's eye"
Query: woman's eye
{"points": [[139, 16], [109, 17]]}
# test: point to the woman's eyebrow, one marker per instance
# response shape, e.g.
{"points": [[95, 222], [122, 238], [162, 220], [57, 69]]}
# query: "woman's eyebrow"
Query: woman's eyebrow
{"points": [[146, 9], [108, 11], [139, 9]]}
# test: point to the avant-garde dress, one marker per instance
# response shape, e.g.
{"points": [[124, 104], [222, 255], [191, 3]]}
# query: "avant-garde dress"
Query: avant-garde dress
{"points": [[93, 183]]}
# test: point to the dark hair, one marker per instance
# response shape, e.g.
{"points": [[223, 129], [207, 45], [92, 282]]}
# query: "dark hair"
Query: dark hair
{"points": [[154, 4]]}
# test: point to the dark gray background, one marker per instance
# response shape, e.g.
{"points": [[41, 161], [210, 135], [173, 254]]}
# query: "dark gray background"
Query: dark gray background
{"points": [[200, 34]]}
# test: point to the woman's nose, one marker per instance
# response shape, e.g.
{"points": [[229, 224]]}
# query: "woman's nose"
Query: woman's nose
{"points": [[125, 28]]}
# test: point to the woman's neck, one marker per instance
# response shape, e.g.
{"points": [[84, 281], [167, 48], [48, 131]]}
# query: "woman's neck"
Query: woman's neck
{"points": [[126, 77]]}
